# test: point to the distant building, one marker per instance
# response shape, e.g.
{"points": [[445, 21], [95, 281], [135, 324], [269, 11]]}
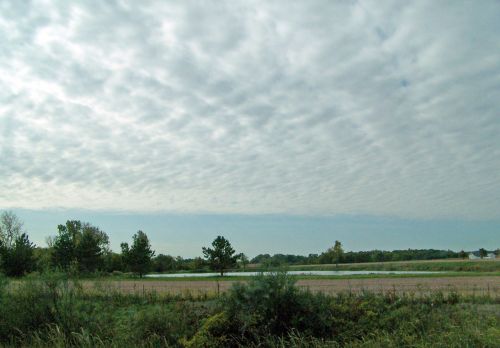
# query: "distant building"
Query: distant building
{"points": [[475, 255]]}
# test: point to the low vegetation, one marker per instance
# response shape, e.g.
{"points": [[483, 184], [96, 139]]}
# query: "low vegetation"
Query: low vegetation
{"points": [[269, 311], [431, 266]]}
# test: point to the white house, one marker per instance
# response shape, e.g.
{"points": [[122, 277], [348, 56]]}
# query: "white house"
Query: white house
{"points": [[475, 255]]}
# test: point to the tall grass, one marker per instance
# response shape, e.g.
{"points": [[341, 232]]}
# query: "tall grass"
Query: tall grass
{"points": [[269, 311]]}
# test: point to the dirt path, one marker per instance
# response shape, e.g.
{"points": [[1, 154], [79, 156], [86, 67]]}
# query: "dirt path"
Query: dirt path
{"points": [[465, 285]]}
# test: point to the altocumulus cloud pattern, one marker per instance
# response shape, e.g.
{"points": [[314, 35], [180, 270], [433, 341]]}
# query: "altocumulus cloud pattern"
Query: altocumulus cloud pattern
{"points": [[296, 107]]}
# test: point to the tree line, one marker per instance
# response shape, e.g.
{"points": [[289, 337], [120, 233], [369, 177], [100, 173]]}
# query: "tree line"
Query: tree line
{"points": [[331, 256], [79, 247]]}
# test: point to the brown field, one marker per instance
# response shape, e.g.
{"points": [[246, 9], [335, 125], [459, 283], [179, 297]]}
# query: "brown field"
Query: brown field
{"points": [[464, 285]]}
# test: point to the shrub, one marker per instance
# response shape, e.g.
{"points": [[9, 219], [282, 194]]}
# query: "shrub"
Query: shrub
{"points": [[168, 323]]}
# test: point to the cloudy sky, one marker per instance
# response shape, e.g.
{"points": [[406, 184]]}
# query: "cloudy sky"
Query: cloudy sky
{"points": [[308, 109]]}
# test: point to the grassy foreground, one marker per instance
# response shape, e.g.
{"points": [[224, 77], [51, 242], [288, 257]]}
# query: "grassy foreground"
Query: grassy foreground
{"points": [[269, 311]]}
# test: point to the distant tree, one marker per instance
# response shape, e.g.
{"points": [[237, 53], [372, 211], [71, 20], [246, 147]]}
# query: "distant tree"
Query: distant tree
{"points": [[138, 256], [333, 254], [10, 228], [482, 253], [43, 258], [16, 251], [338, 252], [260, 258], [198, 263], [63, 245], [163, 263], [462, 254], [89, 252], [113, 262], [17, 259], [243, 260], [81, 244], [221, 257]]}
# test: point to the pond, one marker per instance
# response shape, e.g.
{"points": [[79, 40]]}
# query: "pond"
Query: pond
{"points": [[306, 273]]}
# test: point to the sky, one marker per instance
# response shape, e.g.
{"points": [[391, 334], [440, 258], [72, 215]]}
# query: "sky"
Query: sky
{"points": [[284, 125]]}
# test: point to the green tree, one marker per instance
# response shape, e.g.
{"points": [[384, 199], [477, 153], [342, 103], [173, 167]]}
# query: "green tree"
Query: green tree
{"points": [[138, 256], [333, 254], [243, 260], [198, 263], [16, 251], [163, 263], [462, 254], [338, 252], [221, 256], [89, 252], [10, 228], [483, 253], [79, 243], [17, 259]]}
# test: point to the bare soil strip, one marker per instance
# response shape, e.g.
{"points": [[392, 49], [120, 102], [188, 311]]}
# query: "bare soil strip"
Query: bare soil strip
{"points": [[464, 285]]}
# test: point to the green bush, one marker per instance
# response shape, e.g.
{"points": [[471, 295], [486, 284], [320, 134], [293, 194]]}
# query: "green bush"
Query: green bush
{"points": [[168, 323]]}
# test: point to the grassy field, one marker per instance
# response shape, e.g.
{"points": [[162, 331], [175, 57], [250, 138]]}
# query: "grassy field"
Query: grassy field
{"points": [[272, 311], [448, 309], [417, 286], [453, 265]]}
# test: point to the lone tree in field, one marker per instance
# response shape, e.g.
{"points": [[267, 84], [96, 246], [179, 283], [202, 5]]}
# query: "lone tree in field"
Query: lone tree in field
{"points": [[138, 256], [483, 253], [337, 252], [222, 256]]}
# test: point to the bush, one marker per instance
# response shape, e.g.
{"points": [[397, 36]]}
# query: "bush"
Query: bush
{"points": [[167, 323], [273, 305]]}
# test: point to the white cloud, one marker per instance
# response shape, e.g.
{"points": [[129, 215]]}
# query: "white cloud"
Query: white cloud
{"points": [[313, 107]]}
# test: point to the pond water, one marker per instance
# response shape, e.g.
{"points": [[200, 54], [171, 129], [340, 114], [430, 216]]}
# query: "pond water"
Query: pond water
{"points": [[250, 274]]}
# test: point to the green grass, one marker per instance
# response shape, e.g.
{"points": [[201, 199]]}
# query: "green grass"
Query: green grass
{"points": [[431, 266], [268, 311]]}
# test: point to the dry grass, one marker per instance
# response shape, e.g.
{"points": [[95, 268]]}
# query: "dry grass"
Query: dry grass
{"points": [[465, 285]]}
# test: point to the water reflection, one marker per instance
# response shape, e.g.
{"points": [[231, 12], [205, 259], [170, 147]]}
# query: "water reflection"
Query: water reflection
{"points": [[311, 273]]}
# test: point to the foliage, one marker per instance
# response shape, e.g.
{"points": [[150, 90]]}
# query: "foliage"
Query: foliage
{"points": [[113, 262], [164, 263], [243, 260], [333, 254], [221, 256], [483, 253], [138, 256], [10, 228], [17, 259], [81, 244], [16, 251], [355, 257], [280, 259]]}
